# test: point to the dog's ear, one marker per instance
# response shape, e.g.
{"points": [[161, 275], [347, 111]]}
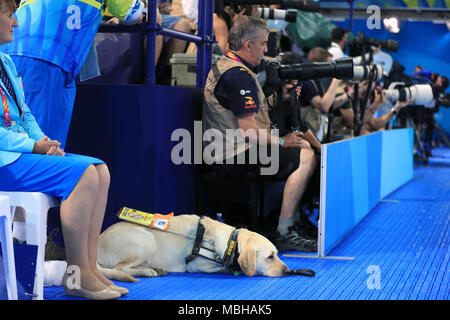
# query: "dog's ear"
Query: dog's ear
{"points": [[247, 259]]}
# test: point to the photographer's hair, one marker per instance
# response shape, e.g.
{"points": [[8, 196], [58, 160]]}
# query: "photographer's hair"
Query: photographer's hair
{"points": [[318, 54], [337, 34], [10, 4], [245, 28]]}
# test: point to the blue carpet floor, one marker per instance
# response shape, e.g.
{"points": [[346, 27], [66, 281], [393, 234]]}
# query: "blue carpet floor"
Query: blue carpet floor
{"points": [[403, 242]]}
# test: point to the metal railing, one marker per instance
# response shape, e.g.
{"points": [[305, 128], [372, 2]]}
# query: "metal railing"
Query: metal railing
{"points": [[203, 40]]}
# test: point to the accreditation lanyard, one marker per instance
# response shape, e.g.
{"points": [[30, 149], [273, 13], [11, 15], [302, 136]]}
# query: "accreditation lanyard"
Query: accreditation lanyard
{"points": [[233, 56], [6, 109]]}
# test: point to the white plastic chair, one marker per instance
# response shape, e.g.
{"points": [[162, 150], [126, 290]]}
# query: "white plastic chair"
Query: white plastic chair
{"points": [[7, 247], [36, 206]]}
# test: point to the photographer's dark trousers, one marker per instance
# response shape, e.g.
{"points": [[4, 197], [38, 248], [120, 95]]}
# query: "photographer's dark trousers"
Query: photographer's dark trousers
{"points": [[288, 161]]}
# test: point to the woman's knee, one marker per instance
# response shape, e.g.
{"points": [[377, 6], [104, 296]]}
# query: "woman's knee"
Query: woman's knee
{"points": [[103, 174], [89, 181]]}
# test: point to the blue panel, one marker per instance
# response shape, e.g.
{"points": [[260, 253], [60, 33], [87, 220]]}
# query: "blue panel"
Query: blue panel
{"points": [[130, 127], [360, 172], [397, 159]]}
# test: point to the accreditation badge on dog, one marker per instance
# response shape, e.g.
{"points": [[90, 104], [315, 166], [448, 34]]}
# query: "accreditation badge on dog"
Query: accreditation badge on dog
{"points": [[151, 220]]}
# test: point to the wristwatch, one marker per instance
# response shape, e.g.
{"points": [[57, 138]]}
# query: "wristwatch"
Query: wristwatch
{"points": [[280, 141]]}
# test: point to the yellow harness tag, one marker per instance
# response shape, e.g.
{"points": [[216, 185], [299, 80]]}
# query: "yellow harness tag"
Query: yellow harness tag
{"points": [[151, 220]]}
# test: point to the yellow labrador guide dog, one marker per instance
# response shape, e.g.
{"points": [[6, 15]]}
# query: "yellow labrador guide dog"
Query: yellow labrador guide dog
{"points": [[158, 244]]}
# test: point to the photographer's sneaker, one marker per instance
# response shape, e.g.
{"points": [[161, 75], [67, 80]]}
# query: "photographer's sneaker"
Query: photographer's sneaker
{"points": [[292, 241], [306, 229]]}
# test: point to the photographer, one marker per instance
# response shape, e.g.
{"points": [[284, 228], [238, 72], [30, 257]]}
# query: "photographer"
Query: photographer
{"points": [[423, 115], [170, 21], [285, 105], [373, 124], [234, 100], [339, 44], [315, 101], [285, 115], [342, 114]]}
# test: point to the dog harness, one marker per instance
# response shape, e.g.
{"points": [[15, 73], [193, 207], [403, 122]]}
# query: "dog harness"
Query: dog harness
{"points": [[230, 256]]}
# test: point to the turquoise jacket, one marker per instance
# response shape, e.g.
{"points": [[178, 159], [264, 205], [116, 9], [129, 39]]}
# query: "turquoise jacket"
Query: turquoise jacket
{"points": [[23, 132], [62, 31]]}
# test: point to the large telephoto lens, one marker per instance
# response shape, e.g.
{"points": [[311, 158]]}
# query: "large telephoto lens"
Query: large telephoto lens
{"points": [[421, 94], [304, 5], [391, 45], [340, 69], [374, 72], [276, 14]]}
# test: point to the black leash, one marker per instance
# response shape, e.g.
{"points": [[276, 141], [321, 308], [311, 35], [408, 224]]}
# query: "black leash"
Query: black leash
{"points": [[301, 272]]}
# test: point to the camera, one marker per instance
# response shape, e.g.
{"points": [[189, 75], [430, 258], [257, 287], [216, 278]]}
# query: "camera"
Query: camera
{"points": [[444, 99], [304, 5], [422, 94], [340, 69], [277, 14], [391, 45]]}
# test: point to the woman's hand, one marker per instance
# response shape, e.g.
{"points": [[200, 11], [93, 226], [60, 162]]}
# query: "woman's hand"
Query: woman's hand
{"points": [[55, 151], [48, 147]]}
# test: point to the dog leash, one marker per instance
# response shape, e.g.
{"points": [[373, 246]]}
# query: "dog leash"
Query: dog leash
{"points": [[301, 272]]}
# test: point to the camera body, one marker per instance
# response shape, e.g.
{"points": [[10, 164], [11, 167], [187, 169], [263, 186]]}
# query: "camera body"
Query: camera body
{"points": [[444, 99]]}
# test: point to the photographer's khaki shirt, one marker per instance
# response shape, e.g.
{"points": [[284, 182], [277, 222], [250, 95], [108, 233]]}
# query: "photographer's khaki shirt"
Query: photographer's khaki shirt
{"points": [[215, 116]]}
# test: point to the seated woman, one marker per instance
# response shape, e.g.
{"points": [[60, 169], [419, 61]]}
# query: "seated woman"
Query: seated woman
{"points": [[30, 161]]}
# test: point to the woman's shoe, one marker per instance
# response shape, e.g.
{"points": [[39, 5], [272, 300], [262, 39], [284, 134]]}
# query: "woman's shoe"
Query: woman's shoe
{"points": [[121, 290], [105, 294]]}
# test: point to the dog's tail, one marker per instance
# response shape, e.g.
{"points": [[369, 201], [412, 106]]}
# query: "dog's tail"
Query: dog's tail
{"points": [[116, 274]]}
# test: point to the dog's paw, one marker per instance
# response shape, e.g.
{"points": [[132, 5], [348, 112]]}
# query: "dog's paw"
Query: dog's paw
{"points": [[160, 272]]}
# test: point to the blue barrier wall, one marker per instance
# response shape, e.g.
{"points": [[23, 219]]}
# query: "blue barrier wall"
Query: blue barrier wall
{"points": [[356, 174], [130, 128]]}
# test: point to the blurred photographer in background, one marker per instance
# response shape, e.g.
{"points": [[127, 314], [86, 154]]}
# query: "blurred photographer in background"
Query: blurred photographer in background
{"points": [[339, 43], [315, 101], [372, 123], [176, 23]]}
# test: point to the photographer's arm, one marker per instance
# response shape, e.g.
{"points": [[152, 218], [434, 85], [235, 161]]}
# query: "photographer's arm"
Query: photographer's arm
{"points": [[371, 123], [349, 117], [311, 138], [220, 32], [252, 131], [324, 103], [340, 101]]}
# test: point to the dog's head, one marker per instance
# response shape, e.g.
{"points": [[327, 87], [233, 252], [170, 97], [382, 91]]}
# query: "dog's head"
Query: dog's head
{"points": [[258, 256]]}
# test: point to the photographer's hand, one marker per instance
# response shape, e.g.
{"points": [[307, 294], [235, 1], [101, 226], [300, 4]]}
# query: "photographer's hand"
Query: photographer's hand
{"points": [[402, 104], [295, 139], [375, 50]]}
